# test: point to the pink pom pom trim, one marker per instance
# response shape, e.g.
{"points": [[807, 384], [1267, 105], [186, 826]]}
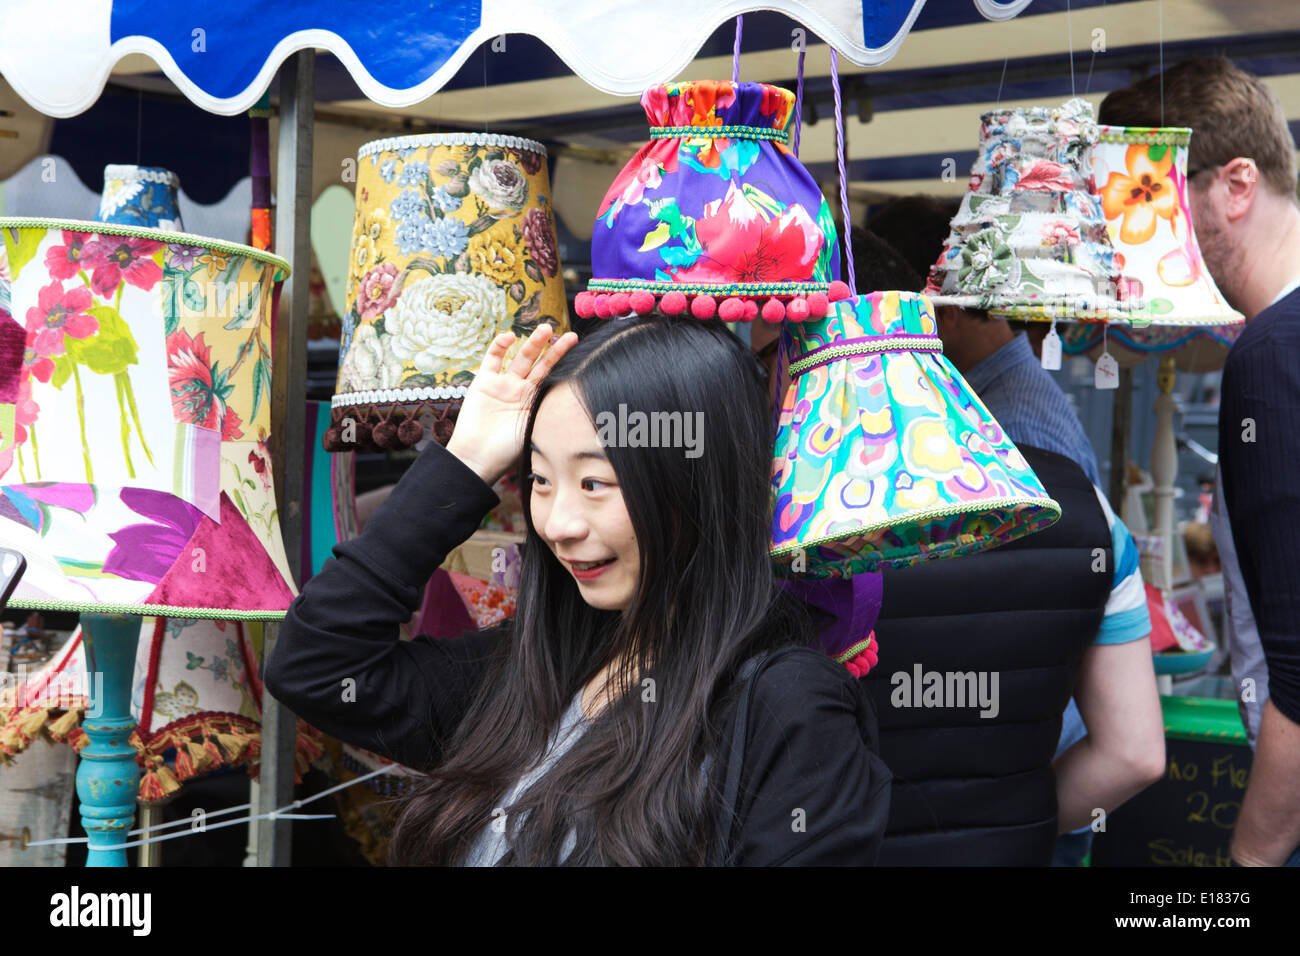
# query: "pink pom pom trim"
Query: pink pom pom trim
{"points": [[703, 307], [731, 310], [672, 303], [584, 305], [602, 306], [818, 304], [642, 302], [773, 311], [839, 290], [751, 310], [619, 305], [796, 310]]}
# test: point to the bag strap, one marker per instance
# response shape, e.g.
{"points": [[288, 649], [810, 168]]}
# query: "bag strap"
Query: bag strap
{"points": [[722, 850]]}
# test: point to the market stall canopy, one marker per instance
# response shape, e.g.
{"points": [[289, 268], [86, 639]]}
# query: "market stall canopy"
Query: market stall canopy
{"points": [[912, 123], [399, 53]]}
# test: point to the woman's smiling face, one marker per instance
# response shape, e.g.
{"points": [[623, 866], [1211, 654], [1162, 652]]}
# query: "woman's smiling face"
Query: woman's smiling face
{"points": [[577, 505]]}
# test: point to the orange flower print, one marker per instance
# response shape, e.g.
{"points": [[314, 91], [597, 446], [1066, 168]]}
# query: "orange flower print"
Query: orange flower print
{"points": [[1141, 194]]}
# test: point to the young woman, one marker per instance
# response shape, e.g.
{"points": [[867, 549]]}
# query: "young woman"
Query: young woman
{"points": [[595, 727]]}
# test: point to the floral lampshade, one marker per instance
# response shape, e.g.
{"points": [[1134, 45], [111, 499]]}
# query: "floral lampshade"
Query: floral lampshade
{"points": [[884, 456], [1141, 180], [135, 389], [1030, 240], [715, 215], [141, 196], [453, 243]]}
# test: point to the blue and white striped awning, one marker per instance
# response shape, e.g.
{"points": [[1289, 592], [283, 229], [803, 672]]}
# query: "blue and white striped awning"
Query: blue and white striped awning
{"points": [[58, 54]]}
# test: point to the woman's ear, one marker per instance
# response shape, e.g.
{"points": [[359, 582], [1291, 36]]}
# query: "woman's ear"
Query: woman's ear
{"points": [[1241, 178]]}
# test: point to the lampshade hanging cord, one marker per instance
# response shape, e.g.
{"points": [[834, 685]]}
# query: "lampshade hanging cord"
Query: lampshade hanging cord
{"points": [[735, 50]]}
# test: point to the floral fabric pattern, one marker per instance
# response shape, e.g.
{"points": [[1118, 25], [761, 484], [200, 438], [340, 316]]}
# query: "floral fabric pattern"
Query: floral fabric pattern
{"points": [[140, 196], [452, 243], [715, 209], [1030, 234], [1143, 193], [1140, 194], [141, 391]]}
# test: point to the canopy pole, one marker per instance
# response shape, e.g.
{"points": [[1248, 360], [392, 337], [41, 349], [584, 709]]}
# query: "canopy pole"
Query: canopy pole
{"points": [[288, 408]]}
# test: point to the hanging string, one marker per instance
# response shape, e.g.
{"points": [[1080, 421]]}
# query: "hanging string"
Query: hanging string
{"points": [[1069, 33], [998, 101], [1091, 62], [279, 814], [844, 173], [274, 814], [1161, 19], [735, 52], [798, 104]]}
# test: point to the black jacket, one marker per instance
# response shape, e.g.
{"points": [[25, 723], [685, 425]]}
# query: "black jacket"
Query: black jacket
{"points": [[811, 739], [972, 790]]}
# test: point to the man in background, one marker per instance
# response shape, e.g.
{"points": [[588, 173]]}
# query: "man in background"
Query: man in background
{"points": [[999, 363], [1241, 177], [972, 790]]}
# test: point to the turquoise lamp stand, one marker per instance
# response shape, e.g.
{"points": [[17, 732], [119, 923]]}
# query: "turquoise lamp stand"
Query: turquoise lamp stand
{"points": [[107, 774]]}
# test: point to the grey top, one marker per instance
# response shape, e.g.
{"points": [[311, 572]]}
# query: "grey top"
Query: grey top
{"points": [[491, 844]]}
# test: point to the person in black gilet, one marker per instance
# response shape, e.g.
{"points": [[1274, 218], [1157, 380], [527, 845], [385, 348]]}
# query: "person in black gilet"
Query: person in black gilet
{"points": [[978, 658]]}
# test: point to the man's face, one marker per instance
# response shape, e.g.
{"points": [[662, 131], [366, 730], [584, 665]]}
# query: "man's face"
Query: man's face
{"points": [[1221, 252]]}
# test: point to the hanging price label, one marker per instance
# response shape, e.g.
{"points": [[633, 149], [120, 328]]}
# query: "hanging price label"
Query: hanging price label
{"points": [[1106, 374], [1051, 353]]}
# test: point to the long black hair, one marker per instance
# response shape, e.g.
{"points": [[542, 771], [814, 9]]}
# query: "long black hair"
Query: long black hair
{"points": [[634, 789]]}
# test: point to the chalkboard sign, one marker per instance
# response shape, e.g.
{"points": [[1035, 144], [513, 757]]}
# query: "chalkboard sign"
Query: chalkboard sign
{"points": [[1187, 817]]}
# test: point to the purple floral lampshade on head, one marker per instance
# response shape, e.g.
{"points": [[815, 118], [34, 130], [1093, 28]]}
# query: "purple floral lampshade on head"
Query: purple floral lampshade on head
{"points": [[714, 215]]}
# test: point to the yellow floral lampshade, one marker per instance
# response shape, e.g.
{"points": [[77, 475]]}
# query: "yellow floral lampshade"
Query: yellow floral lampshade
{"points": [[135, 392], [453, 243], [1141, 180]]}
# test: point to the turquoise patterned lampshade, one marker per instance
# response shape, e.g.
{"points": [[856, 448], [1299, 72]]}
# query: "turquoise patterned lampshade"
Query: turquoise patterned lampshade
{"points": [[884, 456]]}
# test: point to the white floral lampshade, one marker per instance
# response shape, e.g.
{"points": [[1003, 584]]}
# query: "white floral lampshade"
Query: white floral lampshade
{"points": [[453, 243], [135, 409], [1141, 180]]}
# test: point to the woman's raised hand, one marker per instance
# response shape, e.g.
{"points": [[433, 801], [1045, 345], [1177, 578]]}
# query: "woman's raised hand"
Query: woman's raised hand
{"points": [[489, 433]]}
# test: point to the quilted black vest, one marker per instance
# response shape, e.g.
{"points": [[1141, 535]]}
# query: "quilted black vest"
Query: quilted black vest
{"points": [[978, 658]]}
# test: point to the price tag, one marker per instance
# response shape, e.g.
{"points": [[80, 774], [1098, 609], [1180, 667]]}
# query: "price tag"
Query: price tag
{"points": [[1106, 374], [1051, 354]]}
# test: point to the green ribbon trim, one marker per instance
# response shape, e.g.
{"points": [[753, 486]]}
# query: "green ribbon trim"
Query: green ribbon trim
{"points": [[149, 610], [853, 651], [739, 289], [1149, 135], [896, 343], [719, 132], [1048, 505], [154, 235]]}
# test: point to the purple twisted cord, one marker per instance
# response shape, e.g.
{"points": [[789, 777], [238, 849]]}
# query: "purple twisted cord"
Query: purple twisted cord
{"points": [[844, 174], [735, 52], [798, 105]]}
